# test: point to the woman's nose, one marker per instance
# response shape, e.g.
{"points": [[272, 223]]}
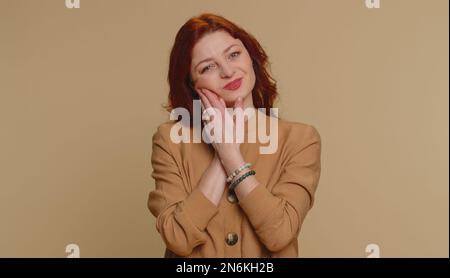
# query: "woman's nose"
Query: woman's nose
{"points": [[226, 70]]}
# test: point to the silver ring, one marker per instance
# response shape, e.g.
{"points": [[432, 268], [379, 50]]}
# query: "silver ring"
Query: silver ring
{"points": [[206, 116]]}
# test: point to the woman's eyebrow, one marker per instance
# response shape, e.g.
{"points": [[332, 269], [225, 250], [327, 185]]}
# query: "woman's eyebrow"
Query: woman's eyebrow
{"points": [[207, 59]]}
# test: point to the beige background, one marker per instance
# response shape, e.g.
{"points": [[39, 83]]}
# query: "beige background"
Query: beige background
{"points": [[81, 95]]}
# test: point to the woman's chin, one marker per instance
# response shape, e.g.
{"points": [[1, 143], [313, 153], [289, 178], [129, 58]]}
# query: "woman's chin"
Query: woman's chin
{"points": [[231, 99]]}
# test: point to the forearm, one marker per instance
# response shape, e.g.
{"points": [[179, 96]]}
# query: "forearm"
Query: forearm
{"points": [[212, 183]]}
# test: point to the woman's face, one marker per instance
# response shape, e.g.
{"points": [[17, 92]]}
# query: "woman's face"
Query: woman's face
{"points": [[218, 59]]}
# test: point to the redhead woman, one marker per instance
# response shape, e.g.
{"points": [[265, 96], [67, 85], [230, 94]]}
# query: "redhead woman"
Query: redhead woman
{"points": [[219, 198]]}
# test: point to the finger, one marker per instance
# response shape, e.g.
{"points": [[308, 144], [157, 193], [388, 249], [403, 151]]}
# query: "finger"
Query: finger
{"points": [[203, 110], [215, 102], [203, 107], [204, 99], [213, 98], [223, 102], [238, 108], [238, 103], [206, 105]]}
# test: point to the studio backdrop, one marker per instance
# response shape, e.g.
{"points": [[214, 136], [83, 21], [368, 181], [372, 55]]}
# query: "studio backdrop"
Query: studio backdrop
{"points": [[82, 92]]}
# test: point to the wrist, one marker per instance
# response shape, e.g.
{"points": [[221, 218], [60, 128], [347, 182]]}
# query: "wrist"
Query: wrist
{"points": [[232, 161]]}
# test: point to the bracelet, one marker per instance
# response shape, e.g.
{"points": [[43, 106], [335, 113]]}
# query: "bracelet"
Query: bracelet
{"points": [[241, 178], [237, 171]]}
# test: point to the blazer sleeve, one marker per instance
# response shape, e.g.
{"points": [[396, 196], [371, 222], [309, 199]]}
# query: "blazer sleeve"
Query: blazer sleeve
{"points": [[181, 216], [277, 215]]}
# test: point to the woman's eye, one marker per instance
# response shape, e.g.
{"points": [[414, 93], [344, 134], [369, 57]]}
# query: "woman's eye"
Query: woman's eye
{"points": [[232, 55], [206, 68], [235, 54]]}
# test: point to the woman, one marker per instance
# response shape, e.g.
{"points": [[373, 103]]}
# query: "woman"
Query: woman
{"points": [[228, 199]]}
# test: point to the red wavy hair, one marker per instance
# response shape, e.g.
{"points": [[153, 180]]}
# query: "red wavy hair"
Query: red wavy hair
{"points": [[182, 92]]}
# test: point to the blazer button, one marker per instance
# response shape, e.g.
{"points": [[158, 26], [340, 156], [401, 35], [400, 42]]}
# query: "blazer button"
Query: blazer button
{"points": [[231, 239], [231, 197]]}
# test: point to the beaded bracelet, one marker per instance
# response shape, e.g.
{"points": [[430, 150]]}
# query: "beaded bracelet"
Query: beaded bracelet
{"points": [[241, 178], [237, 171]]}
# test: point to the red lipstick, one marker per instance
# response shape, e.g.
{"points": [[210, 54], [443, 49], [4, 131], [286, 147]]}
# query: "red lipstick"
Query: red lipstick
{"points": [[234, 85]]}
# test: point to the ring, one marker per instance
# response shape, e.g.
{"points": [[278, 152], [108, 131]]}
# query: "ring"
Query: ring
{"points": [[206, 116]]}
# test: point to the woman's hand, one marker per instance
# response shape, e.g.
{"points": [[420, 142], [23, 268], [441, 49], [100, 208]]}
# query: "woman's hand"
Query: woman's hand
{"points": [[229, 153]]}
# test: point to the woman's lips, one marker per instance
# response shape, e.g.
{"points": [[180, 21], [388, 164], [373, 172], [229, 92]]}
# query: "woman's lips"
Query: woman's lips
{"points": [[234, 85]]}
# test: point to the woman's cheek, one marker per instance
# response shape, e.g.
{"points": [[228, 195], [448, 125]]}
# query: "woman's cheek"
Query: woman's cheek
{"points": [[199, 84], [205, 83]]}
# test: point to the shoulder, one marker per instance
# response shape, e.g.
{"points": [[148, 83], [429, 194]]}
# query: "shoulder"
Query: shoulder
{"points": [[174, 136], [164, 128], [296, 136], [297, 133], [300, 144], [162, 134], [290, 130]]}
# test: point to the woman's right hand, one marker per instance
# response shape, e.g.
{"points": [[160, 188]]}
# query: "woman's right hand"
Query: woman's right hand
{"points": [[211, 100]]}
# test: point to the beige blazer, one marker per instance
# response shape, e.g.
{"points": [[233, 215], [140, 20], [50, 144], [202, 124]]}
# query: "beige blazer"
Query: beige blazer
{"points": [[266, 223]]}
